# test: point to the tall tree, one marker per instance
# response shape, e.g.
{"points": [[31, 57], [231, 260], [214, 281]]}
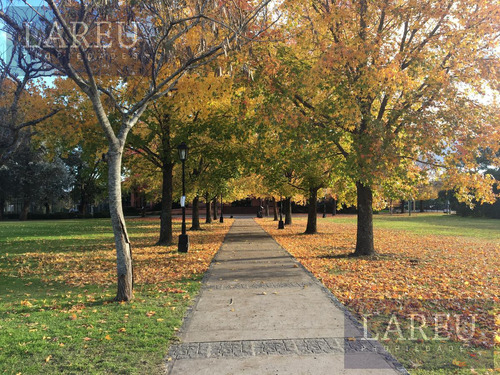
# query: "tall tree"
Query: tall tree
{"points": [[87, 171], [157, 144], [296, 155], [181, 38], [22, 104], [79, 145], [34, 179], [205, 121], [398, 86]]}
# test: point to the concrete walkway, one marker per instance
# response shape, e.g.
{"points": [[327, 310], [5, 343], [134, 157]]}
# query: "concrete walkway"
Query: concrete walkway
{"points": [[260, 312]]}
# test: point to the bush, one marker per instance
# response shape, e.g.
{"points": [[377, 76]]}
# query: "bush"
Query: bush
{"points": [[102, 215], [484, 210], [131, 211]]}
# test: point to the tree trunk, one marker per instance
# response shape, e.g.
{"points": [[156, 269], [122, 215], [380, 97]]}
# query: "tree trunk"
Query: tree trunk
{"points": [[312, 215], [334, 209], [47, 208], [143, 204], [2, 208], [208, 213], [364, 238], [196, 214], [288, 211], [83, 203], [122, 242], [23, 216], [215, 207], [275, 209], [166, 237], [422, 205], [402, 206], [267, 208]]}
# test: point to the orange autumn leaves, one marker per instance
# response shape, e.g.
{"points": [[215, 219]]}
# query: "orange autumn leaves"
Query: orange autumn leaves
{"points": [[152, 264], [412, 273]]}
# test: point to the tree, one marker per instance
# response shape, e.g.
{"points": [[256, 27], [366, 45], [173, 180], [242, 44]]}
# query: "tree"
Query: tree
{"points": [[205, 121], [216, 158], [397, 86], [34, 179], [489, 162], [294, 154], [157, 144], [180, 39], [73, 135], [22, 106], [87, 171], [5, 189]]}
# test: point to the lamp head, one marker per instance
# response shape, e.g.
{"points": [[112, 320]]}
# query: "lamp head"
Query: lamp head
{"points": [[183, 151]]}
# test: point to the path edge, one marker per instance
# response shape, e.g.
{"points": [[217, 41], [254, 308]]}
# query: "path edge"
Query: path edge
{"points": [[168, 365]]}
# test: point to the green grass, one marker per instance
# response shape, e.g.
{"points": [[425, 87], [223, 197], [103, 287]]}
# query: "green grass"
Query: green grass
{"points": [[60, 235], [433, 224], [52, 328]]}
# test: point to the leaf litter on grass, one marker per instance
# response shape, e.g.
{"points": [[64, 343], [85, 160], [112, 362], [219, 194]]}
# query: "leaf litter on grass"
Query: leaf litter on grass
{"points": [[413, 277]]}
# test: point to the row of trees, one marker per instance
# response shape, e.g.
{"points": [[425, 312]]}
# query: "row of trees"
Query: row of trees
{"points": [[371, 100]]}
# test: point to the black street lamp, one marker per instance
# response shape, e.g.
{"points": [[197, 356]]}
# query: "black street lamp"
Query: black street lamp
{"points": [[183, 246], [221, 219], [281, 224]]}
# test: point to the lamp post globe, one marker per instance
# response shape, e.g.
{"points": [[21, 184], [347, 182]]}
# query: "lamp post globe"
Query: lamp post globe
{"points": [[183, 151]]}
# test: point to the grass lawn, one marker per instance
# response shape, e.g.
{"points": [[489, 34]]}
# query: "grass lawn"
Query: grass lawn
{"points": [[57, 284], [434, 224], [439, 269]]}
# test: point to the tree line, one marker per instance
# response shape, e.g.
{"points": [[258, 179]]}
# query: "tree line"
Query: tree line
{"points": [[366, 102]]}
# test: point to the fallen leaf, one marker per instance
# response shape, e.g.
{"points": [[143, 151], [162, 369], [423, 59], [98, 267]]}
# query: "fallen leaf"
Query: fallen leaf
{"points": [[459, 363]]}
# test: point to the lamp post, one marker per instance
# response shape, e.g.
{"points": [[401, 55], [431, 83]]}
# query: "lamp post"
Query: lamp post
{"points": [[221, 219], [281, 224], [183, 246]]}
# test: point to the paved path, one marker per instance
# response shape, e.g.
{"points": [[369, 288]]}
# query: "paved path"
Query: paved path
{"points": [[261, 312]]}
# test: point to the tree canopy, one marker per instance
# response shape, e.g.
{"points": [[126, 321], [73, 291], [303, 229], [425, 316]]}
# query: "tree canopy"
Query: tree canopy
{"points": [[373, 101]]}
